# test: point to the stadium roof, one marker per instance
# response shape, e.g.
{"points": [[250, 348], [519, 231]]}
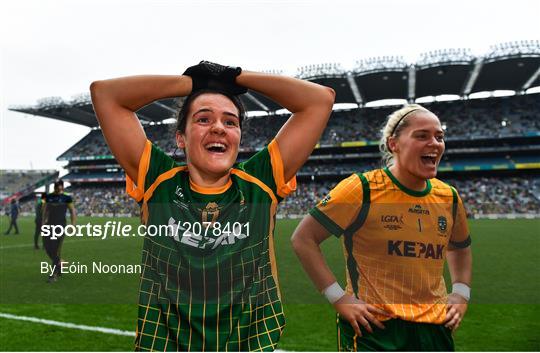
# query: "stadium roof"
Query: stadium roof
{"points": [[508, 66]]}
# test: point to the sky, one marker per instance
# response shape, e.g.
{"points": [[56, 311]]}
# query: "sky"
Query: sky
{"points": [[58, 47]]}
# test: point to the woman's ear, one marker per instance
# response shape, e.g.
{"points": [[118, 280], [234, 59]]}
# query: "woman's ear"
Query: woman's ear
{"points": [[180, 140], [392, 145]]}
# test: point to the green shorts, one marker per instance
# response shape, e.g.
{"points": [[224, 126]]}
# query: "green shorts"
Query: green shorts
{"points": [[398, 335]]}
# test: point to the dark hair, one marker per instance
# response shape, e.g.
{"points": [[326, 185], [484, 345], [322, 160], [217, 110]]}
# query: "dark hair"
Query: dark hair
{"points": [[59, 182], [183, 106]]}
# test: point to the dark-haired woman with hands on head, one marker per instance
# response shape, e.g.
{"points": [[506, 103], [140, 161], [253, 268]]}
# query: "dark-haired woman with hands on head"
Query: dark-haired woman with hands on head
{"points": [[211, 283]]}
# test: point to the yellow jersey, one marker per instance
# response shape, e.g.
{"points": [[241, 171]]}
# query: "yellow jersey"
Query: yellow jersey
{"points": [[395, 241]]}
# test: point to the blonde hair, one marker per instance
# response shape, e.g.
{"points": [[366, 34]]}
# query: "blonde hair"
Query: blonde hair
{"points": [[395, 123]]}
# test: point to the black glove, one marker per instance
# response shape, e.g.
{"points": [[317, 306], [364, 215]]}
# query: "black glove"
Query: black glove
{"points": [[208, 75]]}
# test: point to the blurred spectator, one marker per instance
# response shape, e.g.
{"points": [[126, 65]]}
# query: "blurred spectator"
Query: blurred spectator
{"points": [[13, 215]]}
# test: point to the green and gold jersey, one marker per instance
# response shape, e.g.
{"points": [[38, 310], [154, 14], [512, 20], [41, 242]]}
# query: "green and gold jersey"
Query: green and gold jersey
{"points": [[209, 280], [395, 241]]}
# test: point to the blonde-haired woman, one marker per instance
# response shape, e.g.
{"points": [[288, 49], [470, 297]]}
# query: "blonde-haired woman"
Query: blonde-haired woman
{"points": [[399, 224]]}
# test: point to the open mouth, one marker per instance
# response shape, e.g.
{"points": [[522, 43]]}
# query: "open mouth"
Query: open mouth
{"points": [[429, 159], [216, 147]]}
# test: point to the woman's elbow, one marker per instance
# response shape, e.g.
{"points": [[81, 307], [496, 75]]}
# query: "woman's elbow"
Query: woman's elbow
{"points": [[296, 242], [301, 241], [94, 86], [96, 89], [329, 97]]}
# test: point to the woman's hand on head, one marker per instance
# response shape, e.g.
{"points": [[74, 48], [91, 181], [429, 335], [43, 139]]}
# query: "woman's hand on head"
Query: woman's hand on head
{"points": [[209, 75]]}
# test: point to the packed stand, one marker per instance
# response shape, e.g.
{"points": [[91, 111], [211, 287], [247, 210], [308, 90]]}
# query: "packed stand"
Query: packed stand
{"points": [[304, 198], [259, 131], [489, 195], [110, 200], [12, 181], [481, 196], [493, 117], [345, 168]]}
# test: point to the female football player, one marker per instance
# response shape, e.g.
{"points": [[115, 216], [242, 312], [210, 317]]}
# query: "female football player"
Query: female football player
{"points": [[210, 282], [398, 224]]}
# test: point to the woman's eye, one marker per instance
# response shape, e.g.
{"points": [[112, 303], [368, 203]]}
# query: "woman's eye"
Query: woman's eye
{"points": [[202, 119], [440, 138], [231, 123]]}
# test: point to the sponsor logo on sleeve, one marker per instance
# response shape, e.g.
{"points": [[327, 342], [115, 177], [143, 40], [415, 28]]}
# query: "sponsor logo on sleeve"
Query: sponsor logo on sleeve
{"points": [[325, 200]]}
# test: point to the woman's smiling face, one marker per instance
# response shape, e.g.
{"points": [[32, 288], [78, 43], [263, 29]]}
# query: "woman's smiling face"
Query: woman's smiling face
{"points": [[419, 147], [212, 135]]}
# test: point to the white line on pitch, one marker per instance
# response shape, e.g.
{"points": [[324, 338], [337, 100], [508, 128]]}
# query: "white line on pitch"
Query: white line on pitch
{"points": [[69, 325]]}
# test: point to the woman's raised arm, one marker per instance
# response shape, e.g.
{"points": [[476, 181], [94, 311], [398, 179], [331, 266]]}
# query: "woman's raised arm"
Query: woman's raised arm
{"points": [[310, 105], [115, 102]]}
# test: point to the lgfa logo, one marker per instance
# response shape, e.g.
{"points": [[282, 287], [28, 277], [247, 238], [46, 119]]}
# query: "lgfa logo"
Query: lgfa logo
{"points": [[392, 222]]}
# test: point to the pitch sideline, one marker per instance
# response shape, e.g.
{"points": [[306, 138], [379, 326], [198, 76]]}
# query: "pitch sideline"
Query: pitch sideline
{"points": [[112, 331], [68, 325]]}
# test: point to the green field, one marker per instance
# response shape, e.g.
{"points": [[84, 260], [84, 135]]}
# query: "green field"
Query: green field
{"points": [[503, 316]]}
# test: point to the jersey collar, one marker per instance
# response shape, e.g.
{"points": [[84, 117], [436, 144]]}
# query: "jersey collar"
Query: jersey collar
{"points": [[209, 191], [406, 189]]}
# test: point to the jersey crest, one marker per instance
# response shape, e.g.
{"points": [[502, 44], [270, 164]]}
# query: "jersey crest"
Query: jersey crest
{"points": [[210, 213]]}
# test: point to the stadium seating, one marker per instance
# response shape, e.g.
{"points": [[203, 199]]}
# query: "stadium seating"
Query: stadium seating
{"points": [[509, 116], [504, 121], [481, 195], [18, 182]]}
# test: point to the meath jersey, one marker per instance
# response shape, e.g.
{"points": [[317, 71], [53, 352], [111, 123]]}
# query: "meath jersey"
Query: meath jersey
{"points": [[209, 280], [395, 241]]}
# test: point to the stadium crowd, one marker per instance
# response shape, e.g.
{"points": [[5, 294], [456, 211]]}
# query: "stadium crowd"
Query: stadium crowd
{"points": [[489, 195], [97, 201], [12, 181], [481, 195], [468, 119], [508, 116], [339, 168]]}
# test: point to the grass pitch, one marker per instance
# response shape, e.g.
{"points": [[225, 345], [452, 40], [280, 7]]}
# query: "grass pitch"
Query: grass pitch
{"points": [[503, 314]]}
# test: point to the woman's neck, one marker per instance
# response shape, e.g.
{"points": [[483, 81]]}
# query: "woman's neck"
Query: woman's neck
{"points": [[208, 181], [407, 179]]}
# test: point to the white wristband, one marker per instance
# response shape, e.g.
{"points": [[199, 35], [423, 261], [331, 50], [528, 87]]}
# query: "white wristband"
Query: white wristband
{"points": [[462, 289], [333, 292]]}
